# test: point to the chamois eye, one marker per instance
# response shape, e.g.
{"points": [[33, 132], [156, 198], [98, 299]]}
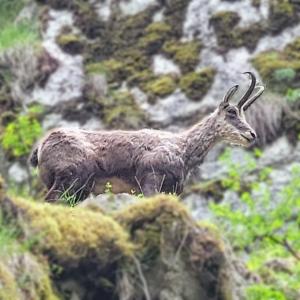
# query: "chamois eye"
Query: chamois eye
{"points": [[232, 112]]}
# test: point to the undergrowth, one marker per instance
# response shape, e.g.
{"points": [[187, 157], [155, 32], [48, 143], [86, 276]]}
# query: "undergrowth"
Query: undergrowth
{"points": [[14, 32], [266, 226]]}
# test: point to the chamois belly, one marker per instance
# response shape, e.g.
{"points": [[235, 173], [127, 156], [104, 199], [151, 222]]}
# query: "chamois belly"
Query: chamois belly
{"points": [[117, 185]]}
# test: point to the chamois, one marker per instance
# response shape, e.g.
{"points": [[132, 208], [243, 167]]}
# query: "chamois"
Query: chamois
{"points": [[147, 161]]}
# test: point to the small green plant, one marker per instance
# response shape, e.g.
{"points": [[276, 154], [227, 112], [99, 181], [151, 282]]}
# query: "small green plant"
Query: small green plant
{"points": [[235, 170], [267, 225], [293, 95], [108, 188], [19, 136], [15, 33], [264, 292], [69, 198], [285, 74]]}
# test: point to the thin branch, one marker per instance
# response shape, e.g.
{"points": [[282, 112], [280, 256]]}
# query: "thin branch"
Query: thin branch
{"points": [[142, 277]]}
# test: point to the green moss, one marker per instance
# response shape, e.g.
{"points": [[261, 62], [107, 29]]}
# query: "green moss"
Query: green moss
{"points": [[249, 36], [186, 54], [156, 34], [114, 70], [224, 23], [149, 209], [121, 111], [292, 50], [148, 220], [8, 287], [281, 70], [196, 84], [169, 242], [161, 86], [23, 276], [282, 14], [70, 43], [229, 35], [71, 236], [175, 13]]}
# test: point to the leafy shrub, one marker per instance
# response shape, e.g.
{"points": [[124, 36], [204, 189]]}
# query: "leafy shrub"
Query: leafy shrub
{"points": [[266, 225], [285, 74], [293, 95], [19, 136], [260, 291], [14, 33]]}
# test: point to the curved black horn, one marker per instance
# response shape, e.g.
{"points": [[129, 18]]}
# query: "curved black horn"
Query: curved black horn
{"points": [[249, 91], [230, 93], [251, 100]]}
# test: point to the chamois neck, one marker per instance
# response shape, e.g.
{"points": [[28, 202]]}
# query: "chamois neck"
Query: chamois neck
{"points": [[199, 139]]}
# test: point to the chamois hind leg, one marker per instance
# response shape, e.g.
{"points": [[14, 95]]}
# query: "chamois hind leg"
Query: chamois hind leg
{"points": [[152, 183]]}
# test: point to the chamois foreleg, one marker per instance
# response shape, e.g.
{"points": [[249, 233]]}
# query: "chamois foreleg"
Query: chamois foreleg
{"points": [[74, 181]]}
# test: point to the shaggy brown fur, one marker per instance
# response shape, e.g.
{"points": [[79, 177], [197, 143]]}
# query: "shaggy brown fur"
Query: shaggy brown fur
{"points": [[146, 161]]}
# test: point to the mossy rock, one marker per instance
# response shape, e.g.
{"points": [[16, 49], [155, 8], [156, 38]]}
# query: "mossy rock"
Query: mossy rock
{"points": [[292, 50], [121, 111], [161, 86], [65, 235], [282, 15], [155, 237], [70, 43], [8, 290], [196, 84], [172, 253], [250, 36], [186, 54], [112, 68], [25, 276], [229, 35], [87, 19], [175, 13], [280, 69], [156, 34]]}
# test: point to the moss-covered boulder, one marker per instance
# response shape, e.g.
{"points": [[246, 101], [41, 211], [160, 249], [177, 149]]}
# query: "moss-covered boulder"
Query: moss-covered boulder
{"points": [[155, 35], [160, 86], [224, 24], [282, 14], [280, 69], [186, 54], [152, 247], [120, 110], [230, 35], [176, 258], [196, 84]]}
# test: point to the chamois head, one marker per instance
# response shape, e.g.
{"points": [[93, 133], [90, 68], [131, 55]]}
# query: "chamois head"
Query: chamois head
{"points": [[233, 127]]}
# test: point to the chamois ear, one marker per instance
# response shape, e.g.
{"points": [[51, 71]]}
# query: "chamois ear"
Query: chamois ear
{"points": [[229, 95]]}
